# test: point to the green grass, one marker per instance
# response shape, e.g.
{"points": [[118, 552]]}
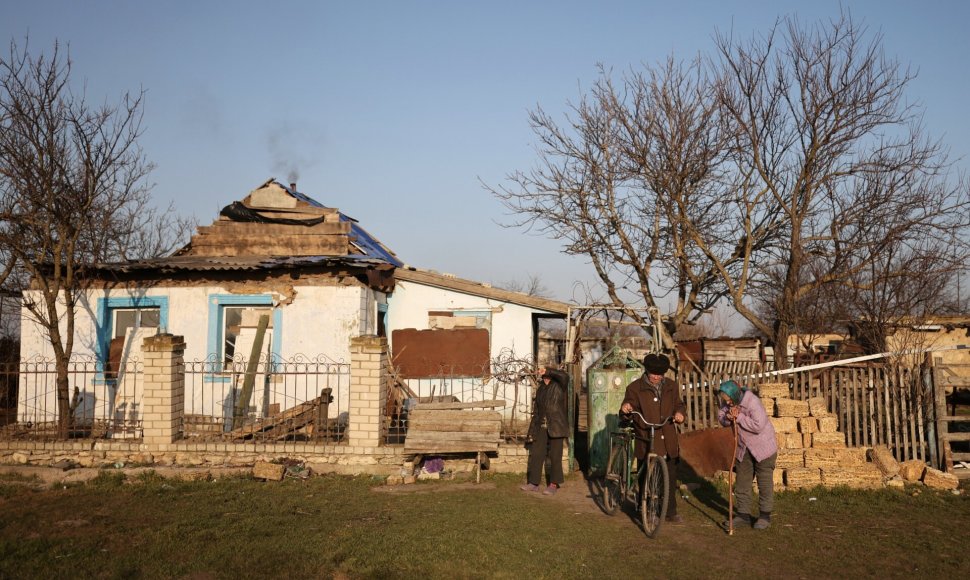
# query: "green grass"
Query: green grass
{"points": [[338, 526]]}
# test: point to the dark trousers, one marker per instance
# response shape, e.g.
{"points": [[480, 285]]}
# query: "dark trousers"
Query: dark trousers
{"points": [[747, 470], [542, 449], [672, 463]]}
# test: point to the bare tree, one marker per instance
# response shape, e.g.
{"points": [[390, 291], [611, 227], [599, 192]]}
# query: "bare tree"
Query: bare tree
{"points": [[72, 179], [618, 180], [825, 139], [532, 287]]}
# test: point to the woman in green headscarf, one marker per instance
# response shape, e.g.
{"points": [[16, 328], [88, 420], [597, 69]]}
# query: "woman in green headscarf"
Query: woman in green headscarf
{"points": [[756, 453]]}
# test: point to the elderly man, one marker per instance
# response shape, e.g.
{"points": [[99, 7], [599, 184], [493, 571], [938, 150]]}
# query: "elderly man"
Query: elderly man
{"points": [[657, 398]]}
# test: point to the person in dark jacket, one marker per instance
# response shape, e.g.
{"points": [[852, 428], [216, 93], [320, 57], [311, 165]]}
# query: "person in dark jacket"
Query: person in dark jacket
{"points": [[547, 431], [657, 398]]}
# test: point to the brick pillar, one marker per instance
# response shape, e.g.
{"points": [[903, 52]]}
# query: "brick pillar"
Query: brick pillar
{"points": [[368, 389], [163, 401]]}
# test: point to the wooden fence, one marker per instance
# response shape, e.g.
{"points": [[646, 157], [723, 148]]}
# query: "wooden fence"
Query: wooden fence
{"points": [[876, 404]]}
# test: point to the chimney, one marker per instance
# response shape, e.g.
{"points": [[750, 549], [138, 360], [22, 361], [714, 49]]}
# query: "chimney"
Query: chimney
{"points": [[293, 186]]}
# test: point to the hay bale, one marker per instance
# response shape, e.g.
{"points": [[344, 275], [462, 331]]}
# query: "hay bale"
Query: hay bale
{"points": [[939, 479], [801, 477], [828, 424], [790, 458], [773, 390], [828, 439], [883, 458], [791, 408], [912, 470], [793, 441], [780, 439], [808, 425], [818, 407], [769, 405], [827, 458], [784, 424], [861, 476]]}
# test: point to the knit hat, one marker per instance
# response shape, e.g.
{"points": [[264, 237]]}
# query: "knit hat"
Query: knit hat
{"points": [[656, 364], [731, 389]]}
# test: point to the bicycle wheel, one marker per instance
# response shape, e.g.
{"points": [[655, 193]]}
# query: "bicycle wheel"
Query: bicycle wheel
{"points": [[614, 484], [653, 507]]}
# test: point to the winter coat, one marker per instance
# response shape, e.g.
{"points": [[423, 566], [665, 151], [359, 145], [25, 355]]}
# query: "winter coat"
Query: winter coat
{"points": [[655, 404], [549, 406]]}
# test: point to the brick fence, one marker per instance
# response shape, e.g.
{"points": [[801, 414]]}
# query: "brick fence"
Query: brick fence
{"points": [[163, 410]]}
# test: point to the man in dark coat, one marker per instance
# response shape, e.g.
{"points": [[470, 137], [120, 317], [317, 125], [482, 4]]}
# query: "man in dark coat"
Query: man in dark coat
{"points": [[657, 398], [548, 431]]}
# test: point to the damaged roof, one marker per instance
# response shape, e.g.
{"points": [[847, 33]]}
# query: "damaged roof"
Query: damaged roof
{"points": [[278, 221]]}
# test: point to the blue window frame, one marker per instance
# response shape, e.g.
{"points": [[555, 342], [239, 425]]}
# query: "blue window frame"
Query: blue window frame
{"points": [[218, 305], [107, 309]]}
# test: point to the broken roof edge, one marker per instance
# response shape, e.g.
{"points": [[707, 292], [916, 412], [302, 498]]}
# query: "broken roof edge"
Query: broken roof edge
{"points": [[448, 282]]}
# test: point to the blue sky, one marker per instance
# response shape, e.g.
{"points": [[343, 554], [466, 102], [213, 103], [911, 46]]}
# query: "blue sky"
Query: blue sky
{"points": [[394, 111]]}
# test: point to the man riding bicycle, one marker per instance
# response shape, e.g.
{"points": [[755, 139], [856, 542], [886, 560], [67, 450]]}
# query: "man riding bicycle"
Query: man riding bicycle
{"points": [[656, 398]]}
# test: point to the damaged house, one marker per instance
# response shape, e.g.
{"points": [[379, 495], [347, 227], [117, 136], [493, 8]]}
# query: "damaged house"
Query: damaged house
{"points": [[284, 280]]}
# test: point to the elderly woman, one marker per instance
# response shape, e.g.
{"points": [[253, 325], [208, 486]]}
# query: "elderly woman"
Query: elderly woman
{"points": [[756, 453]]}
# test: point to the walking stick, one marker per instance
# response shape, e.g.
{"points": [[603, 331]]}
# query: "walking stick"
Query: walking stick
{"points": [[734, 456]]}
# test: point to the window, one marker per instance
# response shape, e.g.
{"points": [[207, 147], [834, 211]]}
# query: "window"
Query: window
{"points": [[116, 316], [125, 318], [233, 319], [239, 331]]}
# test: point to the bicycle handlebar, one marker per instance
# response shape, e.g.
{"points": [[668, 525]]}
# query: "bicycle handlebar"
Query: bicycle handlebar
{"points": [[648, 423]]}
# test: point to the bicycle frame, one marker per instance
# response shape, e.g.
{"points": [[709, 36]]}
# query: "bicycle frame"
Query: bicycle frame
{"points": [[619, 482]]}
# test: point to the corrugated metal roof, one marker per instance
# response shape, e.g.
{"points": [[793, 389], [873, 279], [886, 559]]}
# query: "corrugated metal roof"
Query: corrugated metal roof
{"points": [[219, 263]]}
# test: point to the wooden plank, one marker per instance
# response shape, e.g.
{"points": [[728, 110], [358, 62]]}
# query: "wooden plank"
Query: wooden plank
{"points": [[464, 426], [445, 447], [456, 416], [451, 436], [957, 437], [491, 404]]}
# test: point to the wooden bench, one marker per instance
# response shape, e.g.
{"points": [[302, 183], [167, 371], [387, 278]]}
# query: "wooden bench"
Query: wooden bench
{"points": [[451, 428]]}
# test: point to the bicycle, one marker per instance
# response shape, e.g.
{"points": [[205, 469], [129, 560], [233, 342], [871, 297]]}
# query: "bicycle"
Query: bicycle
{"points": [[619, 484]]}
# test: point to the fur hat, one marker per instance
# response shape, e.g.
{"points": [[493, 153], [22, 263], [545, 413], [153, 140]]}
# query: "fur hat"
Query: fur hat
{"points": [[656, 364]]}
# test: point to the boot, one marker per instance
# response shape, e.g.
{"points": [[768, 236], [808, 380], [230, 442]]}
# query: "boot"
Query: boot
{"points": [[739, 521], [764, 521]]}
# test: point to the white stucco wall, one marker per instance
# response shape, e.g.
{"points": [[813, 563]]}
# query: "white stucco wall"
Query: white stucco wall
{"points": [[317, 325], [511, 326], [319, 321]]}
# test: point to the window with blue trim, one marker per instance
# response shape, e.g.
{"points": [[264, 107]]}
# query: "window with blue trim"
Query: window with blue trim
{"points": [[233, 320], [117, 316]]}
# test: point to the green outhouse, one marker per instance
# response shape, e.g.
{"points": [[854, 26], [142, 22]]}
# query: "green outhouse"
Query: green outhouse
{"points": [[606, 382]]}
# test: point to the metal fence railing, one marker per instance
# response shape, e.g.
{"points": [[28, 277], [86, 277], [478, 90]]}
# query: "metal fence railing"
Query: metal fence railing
{"points": [[100, 404], [300, 399], [507, 380]]}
